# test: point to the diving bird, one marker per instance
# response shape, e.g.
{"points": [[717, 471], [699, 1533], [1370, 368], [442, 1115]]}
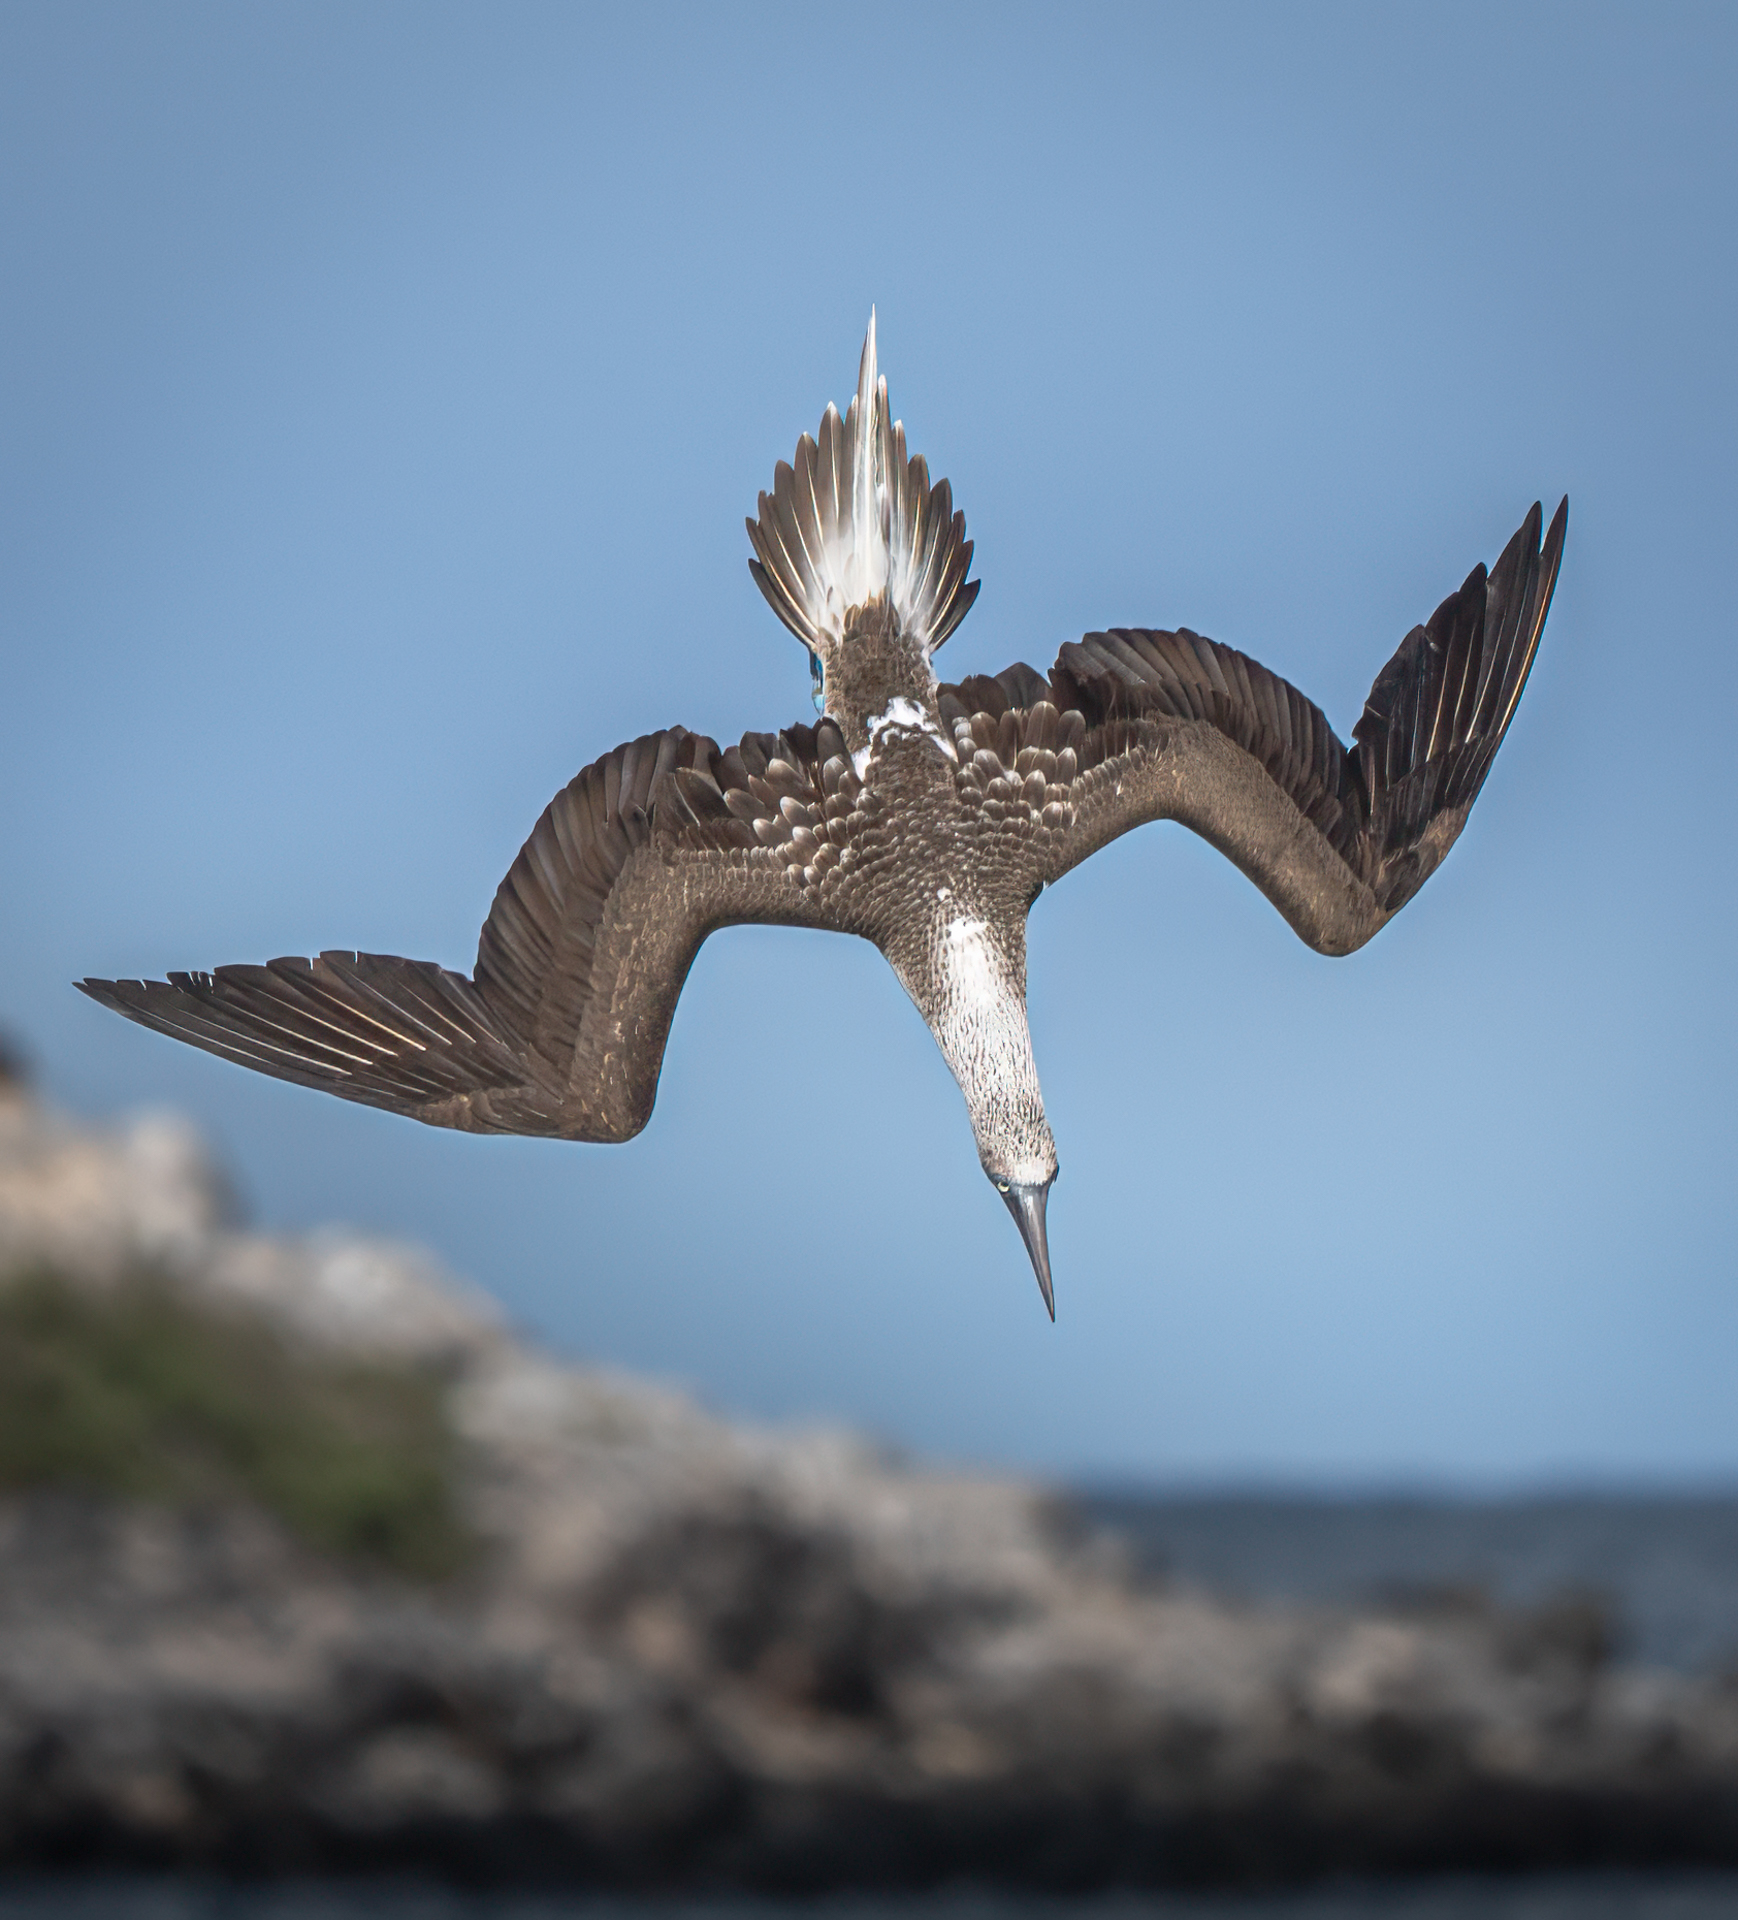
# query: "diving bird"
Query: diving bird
{"points": [[924, 816]]}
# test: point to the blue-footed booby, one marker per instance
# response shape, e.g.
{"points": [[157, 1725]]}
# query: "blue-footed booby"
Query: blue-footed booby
{"points": [[925, 816]]}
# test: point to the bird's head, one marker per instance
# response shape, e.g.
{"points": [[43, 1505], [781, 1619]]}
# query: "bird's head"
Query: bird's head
{"points": [[1026, 1200], [1020, 1163]]}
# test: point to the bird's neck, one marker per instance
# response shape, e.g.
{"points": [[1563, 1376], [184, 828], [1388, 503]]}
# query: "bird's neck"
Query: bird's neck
{"points": [[967, 975]]}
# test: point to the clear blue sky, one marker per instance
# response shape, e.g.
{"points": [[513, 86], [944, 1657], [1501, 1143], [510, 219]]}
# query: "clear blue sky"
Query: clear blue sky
{"points": [[383, 390]]}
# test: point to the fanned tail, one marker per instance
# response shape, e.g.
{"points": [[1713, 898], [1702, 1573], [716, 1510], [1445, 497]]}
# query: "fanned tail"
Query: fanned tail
{"points": [[855, 520]]}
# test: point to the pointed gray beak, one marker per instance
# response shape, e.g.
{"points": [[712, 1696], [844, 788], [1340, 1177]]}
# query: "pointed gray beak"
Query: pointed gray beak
{"points": [[1027, 1205]]}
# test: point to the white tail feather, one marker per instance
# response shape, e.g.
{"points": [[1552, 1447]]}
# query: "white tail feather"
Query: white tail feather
{"points": [[862, 563], [855, 521]]}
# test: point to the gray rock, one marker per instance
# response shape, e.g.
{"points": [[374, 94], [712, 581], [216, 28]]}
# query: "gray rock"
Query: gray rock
{"points": [[699, 1653]]}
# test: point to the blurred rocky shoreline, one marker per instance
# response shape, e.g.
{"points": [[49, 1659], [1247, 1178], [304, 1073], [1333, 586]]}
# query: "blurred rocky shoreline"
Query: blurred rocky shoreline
{"points": [[681, 1652]]}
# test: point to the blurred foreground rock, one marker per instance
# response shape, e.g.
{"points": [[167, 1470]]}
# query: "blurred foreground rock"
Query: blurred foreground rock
{"points": [[691, 1653]]}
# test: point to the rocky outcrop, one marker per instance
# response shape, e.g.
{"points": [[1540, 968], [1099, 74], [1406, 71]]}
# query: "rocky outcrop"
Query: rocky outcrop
{"points": [[695, 1653]]}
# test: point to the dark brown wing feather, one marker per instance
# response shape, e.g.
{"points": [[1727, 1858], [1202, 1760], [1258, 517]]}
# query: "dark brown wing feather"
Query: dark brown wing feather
{"points": [[1440, 708], [1160, 725], [581, 961], [372, 1027]]}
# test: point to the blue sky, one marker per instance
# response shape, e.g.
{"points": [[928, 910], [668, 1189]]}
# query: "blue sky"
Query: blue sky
{"points": [[384, 390]]}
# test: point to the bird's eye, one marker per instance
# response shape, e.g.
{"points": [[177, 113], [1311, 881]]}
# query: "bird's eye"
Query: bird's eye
{"points": [[1001, 1186]]}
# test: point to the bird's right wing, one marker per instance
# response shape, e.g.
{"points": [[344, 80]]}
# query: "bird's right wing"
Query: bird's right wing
{"points": [[562, 1028], [1136, 725]]}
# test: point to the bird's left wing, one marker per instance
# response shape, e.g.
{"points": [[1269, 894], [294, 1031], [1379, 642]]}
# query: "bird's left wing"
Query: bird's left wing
{"points": [[1136, 725], [561, 1031]]}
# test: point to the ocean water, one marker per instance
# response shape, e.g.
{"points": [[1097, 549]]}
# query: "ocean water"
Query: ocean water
{"points": [[1665, 1567], [1659, 1896]]}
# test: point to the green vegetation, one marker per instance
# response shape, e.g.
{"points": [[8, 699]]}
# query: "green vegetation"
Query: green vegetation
{"points": [[143, 1394]]}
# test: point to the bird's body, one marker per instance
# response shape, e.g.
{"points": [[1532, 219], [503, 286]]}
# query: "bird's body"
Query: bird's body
{"points": [[922, 816]]}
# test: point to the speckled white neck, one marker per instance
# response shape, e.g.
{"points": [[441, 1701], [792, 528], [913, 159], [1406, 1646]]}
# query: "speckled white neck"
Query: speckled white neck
{"points": [[979, 1023]]}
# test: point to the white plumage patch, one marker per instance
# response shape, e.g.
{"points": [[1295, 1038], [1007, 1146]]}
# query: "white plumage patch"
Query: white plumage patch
{"points": [[969, 962], [901, 715]]}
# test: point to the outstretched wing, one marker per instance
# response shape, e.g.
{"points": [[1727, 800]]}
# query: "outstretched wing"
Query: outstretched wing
{"points": [[1135, 726], [561, 1030]]}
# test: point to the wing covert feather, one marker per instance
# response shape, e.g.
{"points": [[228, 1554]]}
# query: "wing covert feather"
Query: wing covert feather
{"points": [[1172, 726], [561, 1030]]}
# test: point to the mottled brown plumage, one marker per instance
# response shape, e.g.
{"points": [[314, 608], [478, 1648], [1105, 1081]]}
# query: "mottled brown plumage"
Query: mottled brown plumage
{"points": [[923, 817]]}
